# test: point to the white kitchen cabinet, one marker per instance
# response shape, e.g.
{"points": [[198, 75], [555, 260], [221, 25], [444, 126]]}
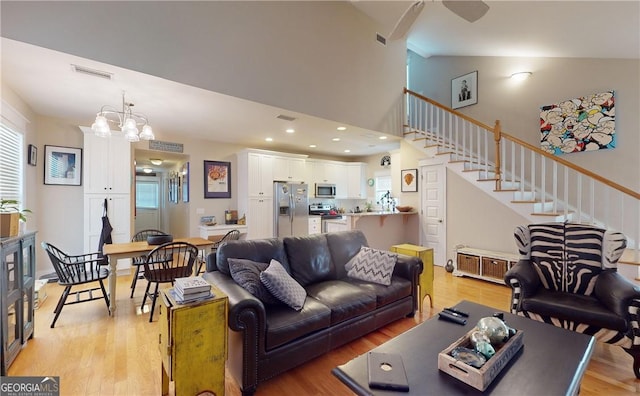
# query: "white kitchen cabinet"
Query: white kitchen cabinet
{"points": [[289, 169], [107, 172], [315, 225], [260, 175], [335, 225], [339, 177], [260, 218], [107, 164], [356, 180]]}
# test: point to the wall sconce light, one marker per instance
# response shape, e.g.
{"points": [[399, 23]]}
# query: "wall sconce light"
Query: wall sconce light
{"points": [[520, 76]]}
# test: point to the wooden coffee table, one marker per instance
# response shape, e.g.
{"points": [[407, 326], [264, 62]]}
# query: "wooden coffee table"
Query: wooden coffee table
{"points": [[551, 362]]}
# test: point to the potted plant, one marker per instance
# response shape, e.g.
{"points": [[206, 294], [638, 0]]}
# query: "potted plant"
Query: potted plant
{"points": [[10, 216]]}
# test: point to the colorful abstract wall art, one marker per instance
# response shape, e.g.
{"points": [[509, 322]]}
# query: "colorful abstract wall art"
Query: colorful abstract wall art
{"points": [[581, 124]]}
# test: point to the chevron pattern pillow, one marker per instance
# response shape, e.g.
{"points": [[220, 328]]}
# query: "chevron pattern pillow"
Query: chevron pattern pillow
{"points": [[286, 289], [373, 265]]}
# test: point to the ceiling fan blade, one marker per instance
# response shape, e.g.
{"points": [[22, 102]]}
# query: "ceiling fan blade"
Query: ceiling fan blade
{"points": [[406, 20], [469, 10]]}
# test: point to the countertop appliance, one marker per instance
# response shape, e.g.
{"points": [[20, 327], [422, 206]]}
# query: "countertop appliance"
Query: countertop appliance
{"points": [[291, 214], [325, 190]]}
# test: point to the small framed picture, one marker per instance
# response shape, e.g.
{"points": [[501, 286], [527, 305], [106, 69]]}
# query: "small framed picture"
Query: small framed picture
{"points": [[62, 165], [32, 155], [409, 180], [217, 179], [464, 90]]}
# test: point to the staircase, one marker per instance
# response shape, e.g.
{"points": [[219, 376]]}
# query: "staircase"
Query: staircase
{"points": [[537, 185]]}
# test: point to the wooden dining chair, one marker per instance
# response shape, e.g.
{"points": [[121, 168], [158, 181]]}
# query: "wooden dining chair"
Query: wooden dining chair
{"points": [[166, 263], [75, 271], [138, 262], [229, 236]]}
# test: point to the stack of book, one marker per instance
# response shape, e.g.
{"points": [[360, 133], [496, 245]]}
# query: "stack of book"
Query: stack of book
{"points": [[191, 289]]}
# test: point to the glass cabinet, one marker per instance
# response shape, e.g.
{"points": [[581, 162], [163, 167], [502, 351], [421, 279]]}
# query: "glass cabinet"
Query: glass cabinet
{"points": [[17, 280]]}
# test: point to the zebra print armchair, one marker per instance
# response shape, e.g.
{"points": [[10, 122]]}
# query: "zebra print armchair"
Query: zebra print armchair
{"points": [[567, 276]]}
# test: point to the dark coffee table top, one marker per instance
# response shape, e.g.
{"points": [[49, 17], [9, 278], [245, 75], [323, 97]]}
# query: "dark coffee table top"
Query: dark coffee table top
{"points": [[551, 362]]}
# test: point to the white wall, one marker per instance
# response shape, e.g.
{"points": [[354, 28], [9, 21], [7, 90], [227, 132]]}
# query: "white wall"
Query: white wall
{"points": [[473, 218], [315, 57]]}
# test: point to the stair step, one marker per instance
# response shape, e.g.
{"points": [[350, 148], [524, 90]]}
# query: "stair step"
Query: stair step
{"points": [[486, 180], [445, 153], [506, 190], [524, 202]]}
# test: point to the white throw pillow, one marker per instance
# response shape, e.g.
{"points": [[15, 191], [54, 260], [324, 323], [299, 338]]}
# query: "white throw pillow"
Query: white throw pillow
{"points": [[373, 265], [286, 289]]}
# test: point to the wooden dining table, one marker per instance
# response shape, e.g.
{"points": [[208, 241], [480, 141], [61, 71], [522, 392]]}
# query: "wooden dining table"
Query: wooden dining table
{"points": [[118, 251]]}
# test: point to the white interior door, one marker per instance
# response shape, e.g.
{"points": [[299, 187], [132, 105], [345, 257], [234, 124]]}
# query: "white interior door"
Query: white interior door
{"points": [[433, 203]]}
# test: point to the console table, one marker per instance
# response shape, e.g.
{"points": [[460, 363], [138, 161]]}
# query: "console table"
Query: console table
{"points": [[216, 232]]}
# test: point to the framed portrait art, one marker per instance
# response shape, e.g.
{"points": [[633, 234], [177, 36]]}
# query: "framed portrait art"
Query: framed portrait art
{"points": [[464, 90], [62, 165], [217, 179], [409, 180], [32, 155]]}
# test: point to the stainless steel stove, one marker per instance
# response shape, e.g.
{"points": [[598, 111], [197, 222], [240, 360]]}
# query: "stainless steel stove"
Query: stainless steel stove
{"points": [[323, 210]]}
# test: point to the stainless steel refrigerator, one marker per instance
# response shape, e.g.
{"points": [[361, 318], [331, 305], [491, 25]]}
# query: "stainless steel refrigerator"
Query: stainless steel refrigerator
{"points": [[291, 209]]}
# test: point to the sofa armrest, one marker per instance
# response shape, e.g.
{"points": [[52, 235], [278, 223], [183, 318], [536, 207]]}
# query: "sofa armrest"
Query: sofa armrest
{"points": [[408, 267], [246, 312], [616, 292], [526, 276]]}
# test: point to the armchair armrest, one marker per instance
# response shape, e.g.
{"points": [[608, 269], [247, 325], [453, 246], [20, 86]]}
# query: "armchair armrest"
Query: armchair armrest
{"points": [[246, 312], [616, 292], [526, 276]]}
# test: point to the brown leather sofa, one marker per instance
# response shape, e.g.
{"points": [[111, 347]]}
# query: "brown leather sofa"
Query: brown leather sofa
{"points": [[266, 340]]}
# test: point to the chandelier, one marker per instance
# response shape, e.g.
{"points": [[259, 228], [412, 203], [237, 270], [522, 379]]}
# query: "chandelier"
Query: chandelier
{"points": [[127, 121]]}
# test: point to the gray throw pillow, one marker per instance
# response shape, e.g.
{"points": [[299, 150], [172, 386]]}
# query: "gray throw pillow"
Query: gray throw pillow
{"points": [[246, 273], [278, 281], [373, 265]]}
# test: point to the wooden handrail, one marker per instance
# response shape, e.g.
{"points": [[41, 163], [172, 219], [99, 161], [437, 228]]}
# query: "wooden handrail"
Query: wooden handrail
{"points": [[529, 146]]}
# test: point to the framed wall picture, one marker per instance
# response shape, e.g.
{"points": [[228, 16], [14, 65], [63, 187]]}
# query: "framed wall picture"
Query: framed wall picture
{"points": [[32, 155], [185, 182], [464, 90], [217, 179], [62, 165], [409, 180]]}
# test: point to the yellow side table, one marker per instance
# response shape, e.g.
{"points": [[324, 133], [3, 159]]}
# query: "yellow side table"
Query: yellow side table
{"points": [[426, 277], [193, 344]]}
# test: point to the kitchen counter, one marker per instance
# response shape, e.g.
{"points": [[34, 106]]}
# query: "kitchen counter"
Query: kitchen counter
{"points": [[355, 217]]}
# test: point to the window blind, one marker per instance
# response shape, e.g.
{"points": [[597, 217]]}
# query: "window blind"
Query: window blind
{"points": [[11, 160]]}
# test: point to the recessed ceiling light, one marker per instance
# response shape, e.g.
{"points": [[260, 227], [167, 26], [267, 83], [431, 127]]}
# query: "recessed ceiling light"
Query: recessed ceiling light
{"points": [[291, 130], [313, 146], [347, 151], [382, 138], [156, 161], [336, 139], [269, 139], [341, 128]]}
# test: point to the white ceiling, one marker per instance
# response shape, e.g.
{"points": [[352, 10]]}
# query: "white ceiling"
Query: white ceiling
{"points": [[593, 29]]}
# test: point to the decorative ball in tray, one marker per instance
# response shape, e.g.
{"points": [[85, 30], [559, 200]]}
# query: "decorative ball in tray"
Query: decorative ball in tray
{"points": [[404, 208]]}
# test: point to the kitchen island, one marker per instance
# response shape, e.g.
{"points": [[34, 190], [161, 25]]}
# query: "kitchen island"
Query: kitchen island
{"points": [[387, 228]]}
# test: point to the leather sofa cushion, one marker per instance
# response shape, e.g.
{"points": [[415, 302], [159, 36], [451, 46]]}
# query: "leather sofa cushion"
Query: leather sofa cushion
{"points": [[285, 324], [398, 289], [345, 300], [573, 307], [259, 250], [309, 258], [344, 245]]}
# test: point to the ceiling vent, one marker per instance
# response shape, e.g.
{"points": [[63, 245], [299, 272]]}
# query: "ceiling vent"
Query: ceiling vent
{"points": [[380, 38], [286, 117], [92, 72]]}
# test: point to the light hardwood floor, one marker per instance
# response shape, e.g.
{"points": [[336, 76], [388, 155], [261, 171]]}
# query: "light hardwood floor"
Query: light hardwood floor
{"points": [[95, 354]]}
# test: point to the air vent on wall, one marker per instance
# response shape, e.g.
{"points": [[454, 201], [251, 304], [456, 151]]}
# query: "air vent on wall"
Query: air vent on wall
{"points": [[285, 117], [91, 72], [380, 38]]}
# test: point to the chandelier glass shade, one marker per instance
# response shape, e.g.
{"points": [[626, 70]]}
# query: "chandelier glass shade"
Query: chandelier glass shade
{"points": [[125, 119]]}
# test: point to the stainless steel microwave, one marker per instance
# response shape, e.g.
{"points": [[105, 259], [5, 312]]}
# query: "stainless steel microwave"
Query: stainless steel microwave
{"points": [[325, 190]]}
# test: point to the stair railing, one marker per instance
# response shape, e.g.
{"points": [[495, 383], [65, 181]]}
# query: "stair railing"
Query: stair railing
{"points": [[556, 187]]}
